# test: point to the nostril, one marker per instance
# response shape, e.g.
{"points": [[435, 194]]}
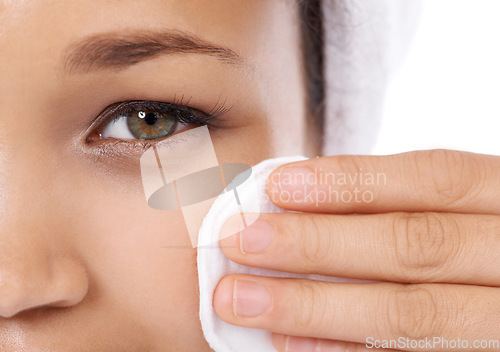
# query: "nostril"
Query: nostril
{"points": [[10, 303], [12, 311], [14, 293], [63, 284], [7, 312], [14, 300], [17, 296]]}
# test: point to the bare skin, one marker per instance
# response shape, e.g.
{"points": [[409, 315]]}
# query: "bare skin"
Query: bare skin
{"points": [[85, 264]]}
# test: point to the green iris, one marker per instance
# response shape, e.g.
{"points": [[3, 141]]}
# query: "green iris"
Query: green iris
{"points": [[146, 124]]}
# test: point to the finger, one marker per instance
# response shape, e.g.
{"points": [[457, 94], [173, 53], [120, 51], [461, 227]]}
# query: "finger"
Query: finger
{"points": [[287, 343], [398, 247], [357, 312], [433, 180]]}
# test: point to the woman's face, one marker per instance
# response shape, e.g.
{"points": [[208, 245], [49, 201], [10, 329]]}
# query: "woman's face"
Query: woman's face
{"points": [[85, 264]]}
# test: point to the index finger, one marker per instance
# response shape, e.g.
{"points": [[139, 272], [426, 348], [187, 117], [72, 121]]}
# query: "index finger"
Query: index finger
{"points": [[432, 180]]}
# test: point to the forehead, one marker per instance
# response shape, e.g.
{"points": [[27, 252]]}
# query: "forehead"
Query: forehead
{"points": [[35, 34], [51, 24]]}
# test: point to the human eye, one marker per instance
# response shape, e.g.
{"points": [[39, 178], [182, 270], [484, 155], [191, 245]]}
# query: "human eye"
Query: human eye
{"points": [[149, 121]]}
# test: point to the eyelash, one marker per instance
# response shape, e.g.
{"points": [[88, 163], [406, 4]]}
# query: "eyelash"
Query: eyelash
{"points": [[183, 113]]}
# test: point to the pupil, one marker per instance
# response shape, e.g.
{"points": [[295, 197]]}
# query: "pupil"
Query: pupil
{"points": [[150, 118]]}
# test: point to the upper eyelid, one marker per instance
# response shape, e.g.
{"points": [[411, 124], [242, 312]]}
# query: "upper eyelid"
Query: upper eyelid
{"points": [[217, 110], [117, 110], [127, 106]]}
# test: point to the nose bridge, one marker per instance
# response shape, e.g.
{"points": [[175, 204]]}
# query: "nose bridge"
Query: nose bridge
{"points": [[26, 189], [38, 267]]}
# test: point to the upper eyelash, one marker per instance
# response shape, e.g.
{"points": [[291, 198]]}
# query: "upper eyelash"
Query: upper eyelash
{"points": [[129, 106], [218, 110]]}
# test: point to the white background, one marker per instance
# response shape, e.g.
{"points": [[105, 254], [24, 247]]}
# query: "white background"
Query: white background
{"points": [[447, 92]]}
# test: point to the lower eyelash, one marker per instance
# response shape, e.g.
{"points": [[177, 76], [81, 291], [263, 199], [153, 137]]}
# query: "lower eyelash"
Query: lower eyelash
{"points": [[118, 147], [114, 147]]}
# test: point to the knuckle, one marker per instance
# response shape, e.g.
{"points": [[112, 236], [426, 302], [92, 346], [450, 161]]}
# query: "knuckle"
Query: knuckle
{"points": [[488, 230], [350, 163], [311, 307], [351, 166], [413, 313], [423, 245], [450, 175], [316, 248]]}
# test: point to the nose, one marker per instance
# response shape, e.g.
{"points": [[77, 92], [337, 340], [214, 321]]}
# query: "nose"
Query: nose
{"points": [[39, 262], [31, 278]]}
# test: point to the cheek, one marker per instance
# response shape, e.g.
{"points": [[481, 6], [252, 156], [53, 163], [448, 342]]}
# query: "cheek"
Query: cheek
{"points": [[141, 261]]}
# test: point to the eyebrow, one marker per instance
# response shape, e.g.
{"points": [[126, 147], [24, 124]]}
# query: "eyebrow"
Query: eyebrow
{"points": [[116, 51]]}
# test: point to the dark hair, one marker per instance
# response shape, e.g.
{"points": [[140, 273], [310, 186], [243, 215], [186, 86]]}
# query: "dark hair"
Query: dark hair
{"points": [[313, 43]]}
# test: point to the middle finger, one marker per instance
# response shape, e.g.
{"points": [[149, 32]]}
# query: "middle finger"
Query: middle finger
{"points": [[398, 247]]}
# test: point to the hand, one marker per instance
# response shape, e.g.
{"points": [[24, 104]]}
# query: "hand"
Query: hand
{"points": [[427, 228]]}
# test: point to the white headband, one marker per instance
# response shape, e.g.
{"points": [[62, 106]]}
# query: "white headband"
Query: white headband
{"points": [[365, 40]]}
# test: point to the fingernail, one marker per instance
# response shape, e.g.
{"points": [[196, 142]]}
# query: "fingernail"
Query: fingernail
{"points": [[296, 182], [300, 344], [256, 237], [250, 298]]}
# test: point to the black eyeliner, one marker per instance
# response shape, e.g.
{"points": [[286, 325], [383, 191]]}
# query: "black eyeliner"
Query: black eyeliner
{"points": [[180, 113]]}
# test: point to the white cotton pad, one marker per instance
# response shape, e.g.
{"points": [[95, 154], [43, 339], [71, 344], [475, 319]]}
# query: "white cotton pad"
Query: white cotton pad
{"points": [[213, 264]]}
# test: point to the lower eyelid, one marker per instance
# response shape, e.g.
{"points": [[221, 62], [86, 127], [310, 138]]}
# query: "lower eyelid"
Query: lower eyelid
{"points": [[130, 150], [118, 149]]}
